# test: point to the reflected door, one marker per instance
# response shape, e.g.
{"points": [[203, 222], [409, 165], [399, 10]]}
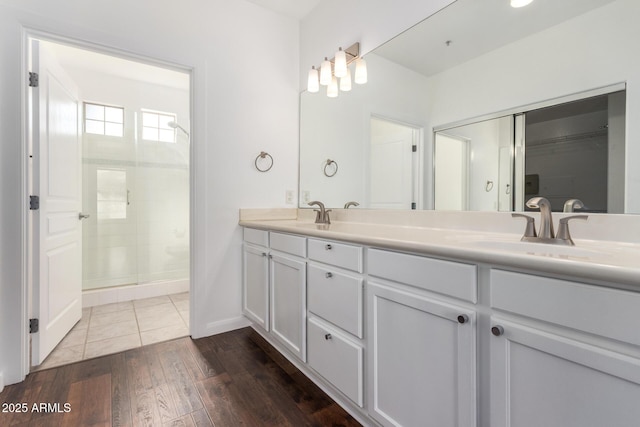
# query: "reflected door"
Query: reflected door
{"points": [[451, 171]]}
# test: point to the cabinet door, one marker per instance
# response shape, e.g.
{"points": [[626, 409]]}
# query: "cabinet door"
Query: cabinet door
{"points": [[255, 295], [421, 360], [288, 303], [543, 379]]}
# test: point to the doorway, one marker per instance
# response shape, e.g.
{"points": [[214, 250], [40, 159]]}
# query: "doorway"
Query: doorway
{"points": [[132, 175]]}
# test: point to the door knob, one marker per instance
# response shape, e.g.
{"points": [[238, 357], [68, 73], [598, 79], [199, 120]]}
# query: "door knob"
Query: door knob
{"points": [[82, 216]]}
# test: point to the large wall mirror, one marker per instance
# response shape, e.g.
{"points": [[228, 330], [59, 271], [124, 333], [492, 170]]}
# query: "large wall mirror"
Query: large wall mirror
{"points": [[481, 106]]}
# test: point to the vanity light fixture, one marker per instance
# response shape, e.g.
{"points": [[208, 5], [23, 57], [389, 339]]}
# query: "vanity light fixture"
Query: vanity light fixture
{"points": [[313, 85], [520, 3], [337, 69]]}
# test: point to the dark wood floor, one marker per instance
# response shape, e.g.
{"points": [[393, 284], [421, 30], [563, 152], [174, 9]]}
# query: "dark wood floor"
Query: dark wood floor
{"points": [[231, 379]]}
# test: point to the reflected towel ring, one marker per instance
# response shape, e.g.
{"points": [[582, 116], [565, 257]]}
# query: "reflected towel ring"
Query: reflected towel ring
{"points": [[264, 155], [328, 163], [489, 186]]}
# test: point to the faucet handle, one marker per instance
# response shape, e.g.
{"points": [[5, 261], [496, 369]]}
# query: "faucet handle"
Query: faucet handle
{"points": [[327, 220], [530, 229], [563, 228]]}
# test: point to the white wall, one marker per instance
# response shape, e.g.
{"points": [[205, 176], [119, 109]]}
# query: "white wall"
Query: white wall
{"points": [[548, 65], [245, 99]]}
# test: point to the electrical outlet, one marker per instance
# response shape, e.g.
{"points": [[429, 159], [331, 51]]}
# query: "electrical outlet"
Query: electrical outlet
{"points": [[306, 196], [289, 197]]}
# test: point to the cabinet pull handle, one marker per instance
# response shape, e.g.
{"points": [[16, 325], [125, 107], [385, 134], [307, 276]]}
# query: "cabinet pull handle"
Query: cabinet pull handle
{"points": [[329, 275], [497, 330], [264, 254], [270, 256], [327, 247], [463, 318], [327, 336]]}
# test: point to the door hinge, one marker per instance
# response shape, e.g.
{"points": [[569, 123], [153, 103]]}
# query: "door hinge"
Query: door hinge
{"points": [[34, 326], [413, 205], [33, 79], [34, 203], [414, 148]]}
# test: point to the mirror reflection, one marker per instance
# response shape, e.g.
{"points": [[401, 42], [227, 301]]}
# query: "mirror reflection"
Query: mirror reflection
{"points": [[431, 83]]}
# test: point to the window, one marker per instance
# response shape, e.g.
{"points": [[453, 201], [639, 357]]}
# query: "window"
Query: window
{"points": [[155, 126], [103, 120], [112, 194]]}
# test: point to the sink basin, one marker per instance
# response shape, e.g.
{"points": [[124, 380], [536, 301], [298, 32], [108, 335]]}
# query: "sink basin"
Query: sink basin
{"points": [[536, 248]]}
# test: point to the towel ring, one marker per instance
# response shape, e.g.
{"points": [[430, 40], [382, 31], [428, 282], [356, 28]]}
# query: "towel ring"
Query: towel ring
{"points": [[328, 163], [264, 155]]}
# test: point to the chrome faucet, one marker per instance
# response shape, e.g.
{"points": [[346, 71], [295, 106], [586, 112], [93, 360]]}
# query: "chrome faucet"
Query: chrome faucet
{"points": [[572, 204], [546, 222], [546, 234], [322, 214], [346, 205]]}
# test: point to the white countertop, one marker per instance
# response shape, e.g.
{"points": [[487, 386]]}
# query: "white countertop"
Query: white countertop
{"points": [[598, 261]]}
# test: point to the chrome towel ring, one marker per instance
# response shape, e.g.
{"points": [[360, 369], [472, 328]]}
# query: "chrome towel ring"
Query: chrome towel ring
{"points": [[269, 162]]}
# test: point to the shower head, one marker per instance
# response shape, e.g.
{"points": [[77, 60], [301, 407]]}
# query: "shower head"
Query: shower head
{"points": [[175, 125]]}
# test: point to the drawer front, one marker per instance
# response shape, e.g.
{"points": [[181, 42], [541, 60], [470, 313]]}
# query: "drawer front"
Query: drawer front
{"points": [[445, 277], [607, 312], [337, 359], [336, 297], [338, 254], [294, 245], [257, 237]]}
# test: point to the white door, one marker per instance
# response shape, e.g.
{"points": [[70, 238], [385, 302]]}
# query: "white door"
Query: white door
{"points": [[57, 231], [392, 174], [288, 303], [451, 186], [421, 360]]}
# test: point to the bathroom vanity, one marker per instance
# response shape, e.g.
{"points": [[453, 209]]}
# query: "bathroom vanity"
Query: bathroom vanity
{"points": [[411, 319]]}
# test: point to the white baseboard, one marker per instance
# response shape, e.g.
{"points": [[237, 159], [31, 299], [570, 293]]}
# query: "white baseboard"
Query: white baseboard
{"points": [[95, 297], [221, 326]]}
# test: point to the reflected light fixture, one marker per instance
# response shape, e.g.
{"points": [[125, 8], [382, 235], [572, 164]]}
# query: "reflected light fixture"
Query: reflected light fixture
{"points": [[337, 70], [520, 3]]}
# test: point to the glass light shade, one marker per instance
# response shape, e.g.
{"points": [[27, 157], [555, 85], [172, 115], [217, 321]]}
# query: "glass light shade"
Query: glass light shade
{"points": [[340, 64], [520, 3], [325, 72], [345, 82], [361, 71], [312, 82], [332, 89]]}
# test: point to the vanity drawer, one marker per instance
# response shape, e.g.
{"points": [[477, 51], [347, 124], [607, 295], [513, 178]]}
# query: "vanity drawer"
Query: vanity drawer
{"points": [[336, 297], [338, 254], [257, 237], [445, 277], [294, 245], [336, 358], [611, 313]]}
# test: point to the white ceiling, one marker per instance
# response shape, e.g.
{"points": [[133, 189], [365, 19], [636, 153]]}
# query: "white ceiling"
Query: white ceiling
{"points": [[294, 8]]}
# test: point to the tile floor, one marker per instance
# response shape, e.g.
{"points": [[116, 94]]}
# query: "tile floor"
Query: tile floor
{"points": [[111, 328]]}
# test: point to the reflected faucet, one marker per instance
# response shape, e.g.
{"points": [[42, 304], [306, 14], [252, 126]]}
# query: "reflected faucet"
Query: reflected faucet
{"points": [[346, 205], [322, 214], [572, 204], [546, 222]]}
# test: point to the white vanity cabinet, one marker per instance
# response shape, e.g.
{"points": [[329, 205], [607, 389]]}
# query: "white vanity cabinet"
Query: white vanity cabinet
{"points": [[563, 353], [288, 296], [421, 350], [335, 324], [255, 283]]}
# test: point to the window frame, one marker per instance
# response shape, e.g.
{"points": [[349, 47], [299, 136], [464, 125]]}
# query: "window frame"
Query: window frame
{"points": [[104, 121]]}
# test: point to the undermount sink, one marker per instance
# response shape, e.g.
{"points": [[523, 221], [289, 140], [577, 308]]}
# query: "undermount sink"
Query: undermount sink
{"points": [[536, 248]]}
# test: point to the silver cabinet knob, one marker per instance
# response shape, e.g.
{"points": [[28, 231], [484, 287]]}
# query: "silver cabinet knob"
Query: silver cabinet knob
{"points": [[497, 330], [82, 216], [329, 275], [327, 336], [463, 318], [264, 254], [327, 247]]}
